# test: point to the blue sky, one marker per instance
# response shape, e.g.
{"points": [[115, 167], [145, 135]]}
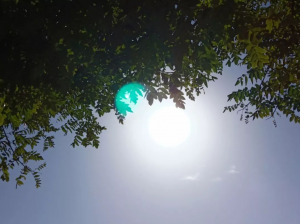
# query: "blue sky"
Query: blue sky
{"points": [[226, 172]]}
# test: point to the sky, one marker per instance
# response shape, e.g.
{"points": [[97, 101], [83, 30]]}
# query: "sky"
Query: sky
{"points": [[226, 172]]}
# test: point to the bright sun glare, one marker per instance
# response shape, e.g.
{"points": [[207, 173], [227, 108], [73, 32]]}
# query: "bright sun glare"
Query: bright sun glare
{"points": [[169, 126]]}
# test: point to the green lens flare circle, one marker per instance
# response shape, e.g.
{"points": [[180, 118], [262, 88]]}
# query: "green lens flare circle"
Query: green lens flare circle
{"points": [[127, 97]]}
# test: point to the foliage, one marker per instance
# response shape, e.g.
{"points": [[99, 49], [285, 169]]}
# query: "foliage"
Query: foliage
{"points": [[63, 63], [270, 44]]}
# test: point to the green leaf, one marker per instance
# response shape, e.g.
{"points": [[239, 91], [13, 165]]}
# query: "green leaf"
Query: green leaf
{"points": [[150, 98], [2, 118], [19, 183], [246, 79], [269, 23]]}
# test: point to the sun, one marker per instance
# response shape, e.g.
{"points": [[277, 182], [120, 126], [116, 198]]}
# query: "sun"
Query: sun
{"points": [[169, 126]]}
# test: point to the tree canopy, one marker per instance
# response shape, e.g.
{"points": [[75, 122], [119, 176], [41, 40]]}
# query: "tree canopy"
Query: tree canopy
{"points": [[63, 64]]}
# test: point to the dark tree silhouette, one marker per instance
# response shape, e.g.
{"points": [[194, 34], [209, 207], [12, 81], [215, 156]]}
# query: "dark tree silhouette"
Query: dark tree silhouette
{"points": [[66, 61]]}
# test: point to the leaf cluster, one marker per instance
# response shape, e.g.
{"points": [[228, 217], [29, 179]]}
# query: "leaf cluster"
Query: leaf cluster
{"points": [[64, 62]]}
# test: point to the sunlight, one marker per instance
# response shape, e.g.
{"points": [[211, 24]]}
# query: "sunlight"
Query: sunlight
{"points": [[169, 126]]}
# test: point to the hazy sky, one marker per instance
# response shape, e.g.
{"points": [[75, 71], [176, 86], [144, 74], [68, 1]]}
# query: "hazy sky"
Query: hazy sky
{"points": [[226, 172]]}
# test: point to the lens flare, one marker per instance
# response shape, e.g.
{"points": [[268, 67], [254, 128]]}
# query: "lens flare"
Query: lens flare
{"points": [[127, 97]]}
